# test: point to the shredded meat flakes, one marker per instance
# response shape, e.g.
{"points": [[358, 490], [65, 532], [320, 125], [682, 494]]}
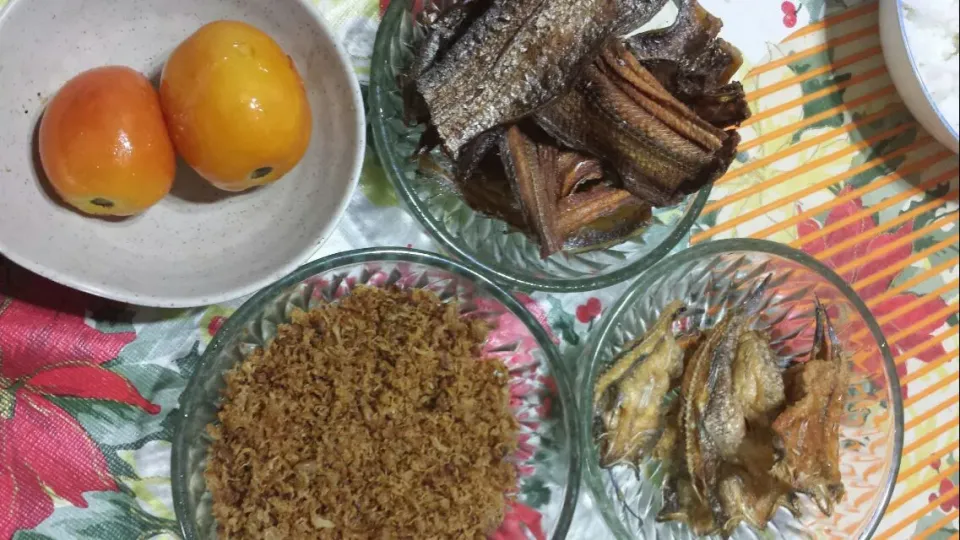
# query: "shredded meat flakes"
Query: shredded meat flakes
{"points": [[374, 417]]}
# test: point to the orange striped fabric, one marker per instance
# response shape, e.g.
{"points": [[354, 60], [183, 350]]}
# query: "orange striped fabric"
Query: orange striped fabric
{"points": [[833, 164]]}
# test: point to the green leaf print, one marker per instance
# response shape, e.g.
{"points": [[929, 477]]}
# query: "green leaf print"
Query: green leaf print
{"points": [[932, 519], [120, 426], [535, 493], [374, 183], [816, 84], [879, 149], [113, 515]]}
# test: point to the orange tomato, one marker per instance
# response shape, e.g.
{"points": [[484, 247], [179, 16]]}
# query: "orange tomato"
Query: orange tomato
{"points": [[104, 145], [235, 106]]}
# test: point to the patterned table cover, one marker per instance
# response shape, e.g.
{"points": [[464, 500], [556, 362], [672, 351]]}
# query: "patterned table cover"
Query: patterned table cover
{"points": [[831, 163]]}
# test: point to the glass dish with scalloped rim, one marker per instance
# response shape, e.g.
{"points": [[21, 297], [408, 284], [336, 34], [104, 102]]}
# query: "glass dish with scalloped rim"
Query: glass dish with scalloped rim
{"points": [[710, 278], [508, 256], [548, 460]]}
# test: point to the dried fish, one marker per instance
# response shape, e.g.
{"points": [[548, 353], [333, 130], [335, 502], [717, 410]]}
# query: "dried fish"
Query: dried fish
{"points": [[516, 57], [532, 170], [757, 380], [726, 463], [682, 503], [633, 415], [489, 191], [580, 210], [695, 66], [748, 491], [476, 150], [620, 113], [576, 170], [809, 428], [653, 129], [444, 26], [637, 349], [713, 421], [693, 30]]}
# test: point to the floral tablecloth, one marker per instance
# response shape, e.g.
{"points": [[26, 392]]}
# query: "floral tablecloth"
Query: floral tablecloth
{"points": [[831, 163]]}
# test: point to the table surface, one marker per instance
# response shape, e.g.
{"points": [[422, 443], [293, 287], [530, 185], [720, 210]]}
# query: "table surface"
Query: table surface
{"points": [[831, 163]]}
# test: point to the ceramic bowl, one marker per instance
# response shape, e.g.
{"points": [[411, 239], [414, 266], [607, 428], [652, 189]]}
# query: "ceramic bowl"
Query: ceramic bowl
{"points": [[198, 245], [487, 243], [541, 395], [710, 278], [900, 55]]}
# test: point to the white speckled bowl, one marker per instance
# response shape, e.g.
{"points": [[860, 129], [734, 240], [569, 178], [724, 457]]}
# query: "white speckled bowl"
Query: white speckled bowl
{"points": [[199, 245], [906, 77]]}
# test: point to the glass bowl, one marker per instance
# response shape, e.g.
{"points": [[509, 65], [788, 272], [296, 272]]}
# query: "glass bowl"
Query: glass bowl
{"points": [[710, 278], [548, 461], [508, 256]]}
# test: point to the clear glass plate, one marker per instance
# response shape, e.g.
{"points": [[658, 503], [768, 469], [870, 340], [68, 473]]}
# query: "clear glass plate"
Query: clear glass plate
{"points": [[548, 460], [508, 256], [710, 278]]}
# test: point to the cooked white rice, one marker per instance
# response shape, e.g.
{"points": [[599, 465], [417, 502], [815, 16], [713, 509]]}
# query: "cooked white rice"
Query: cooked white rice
{"points": [[933, 36]]}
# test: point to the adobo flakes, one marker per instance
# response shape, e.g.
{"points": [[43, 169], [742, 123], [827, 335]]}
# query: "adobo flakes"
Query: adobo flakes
{"points": [[374, 417]]}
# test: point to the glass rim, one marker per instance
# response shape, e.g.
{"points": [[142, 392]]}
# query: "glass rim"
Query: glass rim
{"points": [[589, 370], [236, 323], [394, 171]]}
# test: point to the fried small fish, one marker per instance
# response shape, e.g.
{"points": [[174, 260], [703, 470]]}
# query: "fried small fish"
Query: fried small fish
{"points": [[748, 491], [809, 428], [637, 349], [632, 395], [757, 378], [712, 418], [681, 502]]}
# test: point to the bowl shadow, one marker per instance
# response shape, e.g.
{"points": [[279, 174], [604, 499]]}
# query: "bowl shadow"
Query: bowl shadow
{"points": [[909, 152], [190, 187]]}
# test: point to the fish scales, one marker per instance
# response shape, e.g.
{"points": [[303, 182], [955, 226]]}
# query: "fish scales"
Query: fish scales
{"points": [[516, 57]]}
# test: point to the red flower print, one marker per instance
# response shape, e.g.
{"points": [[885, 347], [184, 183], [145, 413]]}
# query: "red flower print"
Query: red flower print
{"points": [[948, 504], [589, 311], [872, 244], [538, 313], [789, 14], [215, 323], [47, 349], [519, 522]]}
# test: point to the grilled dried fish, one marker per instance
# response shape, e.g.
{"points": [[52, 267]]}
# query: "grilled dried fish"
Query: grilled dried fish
{"points": [[489, 191], [695, 66], [443, 25], [474, 152], [809, 428], [631, 394], [690, 50], [516, 57], [620, 113], [757, 380], [532, 171], [692, 31], [585, 209], [576, 171]]}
